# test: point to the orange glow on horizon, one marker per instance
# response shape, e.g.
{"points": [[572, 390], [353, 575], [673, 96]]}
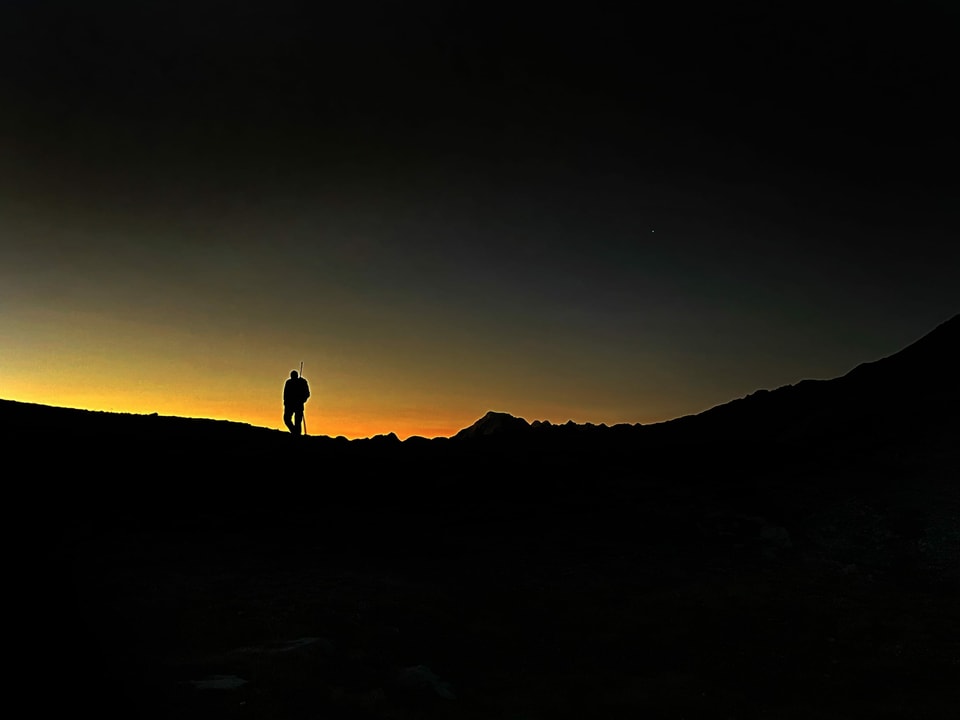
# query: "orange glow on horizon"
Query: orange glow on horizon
{"points": [[320, 421], [94, 360]]}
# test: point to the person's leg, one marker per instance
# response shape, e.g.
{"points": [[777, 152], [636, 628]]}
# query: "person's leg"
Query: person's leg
{"points": [[287, 419], [298, 421]]}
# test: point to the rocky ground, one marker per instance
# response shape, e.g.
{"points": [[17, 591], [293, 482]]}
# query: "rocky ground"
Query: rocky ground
{"points": [[675, 603], [791, 555]]}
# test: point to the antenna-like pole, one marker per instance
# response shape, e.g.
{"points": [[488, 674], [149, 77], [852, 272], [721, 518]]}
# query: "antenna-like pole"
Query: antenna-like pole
{"points": [[304, 414]]}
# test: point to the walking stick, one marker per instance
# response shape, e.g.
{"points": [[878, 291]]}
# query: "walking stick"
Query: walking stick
{"points": [[304, 416]]}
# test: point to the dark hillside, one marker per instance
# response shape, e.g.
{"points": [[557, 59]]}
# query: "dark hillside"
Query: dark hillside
{"points": [[791, 554]]}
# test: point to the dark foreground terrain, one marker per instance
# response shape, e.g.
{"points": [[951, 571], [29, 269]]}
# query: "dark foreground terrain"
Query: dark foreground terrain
{"points": [[793, 554]]}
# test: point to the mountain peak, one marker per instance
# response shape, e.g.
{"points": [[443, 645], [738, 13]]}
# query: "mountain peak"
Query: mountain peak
{"points": [[494, 423]]}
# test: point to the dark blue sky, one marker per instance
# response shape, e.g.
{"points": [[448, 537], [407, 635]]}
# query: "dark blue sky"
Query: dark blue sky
{"points": [[595, 213]]}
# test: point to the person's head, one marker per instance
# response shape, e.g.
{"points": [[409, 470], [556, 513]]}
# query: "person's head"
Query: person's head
{"points": [[293, 374]]}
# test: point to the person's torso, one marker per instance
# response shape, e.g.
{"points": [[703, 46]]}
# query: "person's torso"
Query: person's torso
{"points": [[295, 390]]}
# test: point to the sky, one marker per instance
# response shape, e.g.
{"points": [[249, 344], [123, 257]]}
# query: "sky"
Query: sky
{"points": [[591, 212]]}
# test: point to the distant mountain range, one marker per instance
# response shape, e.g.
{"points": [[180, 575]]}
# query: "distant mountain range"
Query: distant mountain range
{"points": [[908, 395]]}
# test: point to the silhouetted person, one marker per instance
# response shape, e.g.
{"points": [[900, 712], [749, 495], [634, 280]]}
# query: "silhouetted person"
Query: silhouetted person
{"points": [[295, 394]]}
